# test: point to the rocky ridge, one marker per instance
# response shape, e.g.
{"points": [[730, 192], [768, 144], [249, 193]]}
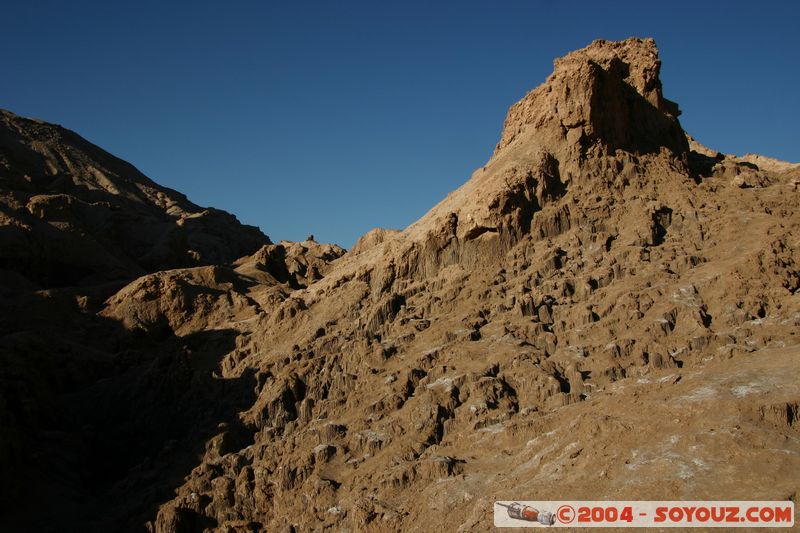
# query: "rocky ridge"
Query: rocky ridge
{"points": [[606, 310], [76, 215]]}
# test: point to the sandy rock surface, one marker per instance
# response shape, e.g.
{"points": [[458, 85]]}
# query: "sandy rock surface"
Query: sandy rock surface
{"points": [[606, 310]]}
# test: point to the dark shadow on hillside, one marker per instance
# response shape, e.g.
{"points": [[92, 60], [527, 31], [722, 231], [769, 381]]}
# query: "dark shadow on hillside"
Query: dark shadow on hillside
{"points": [[100, 426], [623, 119]]}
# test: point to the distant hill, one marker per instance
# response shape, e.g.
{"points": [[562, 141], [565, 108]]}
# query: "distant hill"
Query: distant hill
{"points": [[71, 213]]}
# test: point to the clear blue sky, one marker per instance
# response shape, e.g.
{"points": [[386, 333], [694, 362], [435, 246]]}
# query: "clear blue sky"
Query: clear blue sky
{"points": [[335, 117]]}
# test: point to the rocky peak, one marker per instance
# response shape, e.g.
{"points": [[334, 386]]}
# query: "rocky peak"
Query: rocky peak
{"points": [[602, 98], [636, 59], [598, 124]]}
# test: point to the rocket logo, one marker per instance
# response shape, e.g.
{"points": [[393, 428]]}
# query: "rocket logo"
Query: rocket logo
{"points": [[517, 511]]}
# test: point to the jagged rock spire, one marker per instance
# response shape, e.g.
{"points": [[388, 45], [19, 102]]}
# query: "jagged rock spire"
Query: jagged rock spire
{"points": [[607, 96]]}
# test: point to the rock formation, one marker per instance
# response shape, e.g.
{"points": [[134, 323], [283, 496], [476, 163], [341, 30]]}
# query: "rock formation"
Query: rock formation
{"points": [[606, 310], [74, 214]]}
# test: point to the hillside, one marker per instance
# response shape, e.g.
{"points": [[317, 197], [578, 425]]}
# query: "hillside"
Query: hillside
{"points": [[606, 310], [73, 214]]}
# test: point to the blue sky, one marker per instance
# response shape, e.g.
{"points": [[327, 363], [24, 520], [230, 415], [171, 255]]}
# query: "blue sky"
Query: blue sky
{"points": [[335, 117]]}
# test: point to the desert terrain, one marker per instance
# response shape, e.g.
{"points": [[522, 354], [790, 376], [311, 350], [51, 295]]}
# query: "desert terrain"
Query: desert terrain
{"points": [[607, 309]]}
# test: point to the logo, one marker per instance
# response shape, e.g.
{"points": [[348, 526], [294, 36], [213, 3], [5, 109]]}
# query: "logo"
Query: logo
{"points": [[677, 514]]}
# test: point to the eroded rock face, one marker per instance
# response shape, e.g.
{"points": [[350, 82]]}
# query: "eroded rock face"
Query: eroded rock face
{"points": [[297, 264], [372, 238], [606, 96], [604, 308], [599, 125], [181, 301]]}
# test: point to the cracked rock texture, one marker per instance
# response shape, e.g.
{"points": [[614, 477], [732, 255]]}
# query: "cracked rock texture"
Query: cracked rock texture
{"points": [[606, 310]]}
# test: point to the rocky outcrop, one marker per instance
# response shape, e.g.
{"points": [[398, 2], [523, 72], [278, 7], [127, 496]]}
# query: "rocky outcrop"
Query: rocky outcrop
{"points": [[181, 302], [597, 125], [607, 307], [604, 97], [297, 264], [372, 238]]}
